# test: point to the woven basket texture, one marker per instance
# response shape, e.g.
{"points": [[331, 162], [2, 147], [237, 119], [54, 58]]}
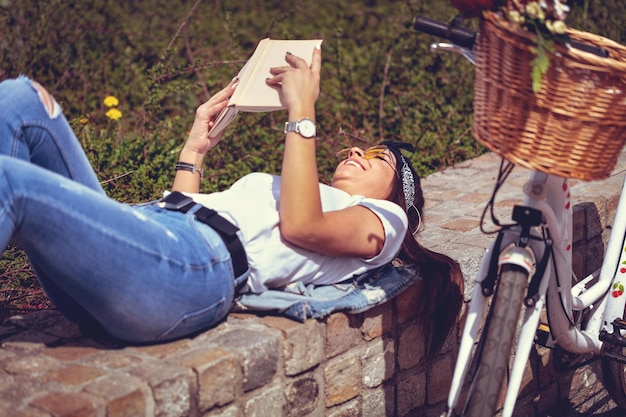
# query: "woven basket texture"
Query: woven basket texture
{"points": [[574, 126]]}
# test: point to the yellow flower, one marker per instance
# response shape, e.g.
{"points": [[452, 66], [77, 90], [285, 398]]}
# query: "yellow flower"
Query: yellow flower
{"points": [[111, 101], [113, 114], [560, 27], [83, 120]]}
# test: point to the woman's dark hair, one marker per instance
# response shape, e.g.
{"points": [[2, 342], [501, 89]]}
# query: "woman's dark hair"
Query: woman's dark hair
{"points": [[441, 288]]}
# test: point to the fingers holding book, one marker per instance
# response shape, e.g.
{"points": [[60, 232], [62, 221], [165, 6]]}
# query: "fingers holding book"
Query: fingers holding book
{"points": [[255, 93], [298, 82], [206, 114]]}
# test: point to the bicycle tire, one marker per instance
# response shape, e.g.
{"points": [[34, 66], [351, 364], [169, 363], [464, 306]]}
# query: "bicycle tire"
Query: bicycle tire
{"points": [[614, 378], [499, 334]]}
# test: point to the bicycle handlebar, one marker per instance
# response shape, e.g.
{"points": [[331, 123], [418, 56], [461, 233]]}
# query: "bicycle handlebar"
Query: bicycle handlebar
{"points": [[465, 37], [458, 35]]}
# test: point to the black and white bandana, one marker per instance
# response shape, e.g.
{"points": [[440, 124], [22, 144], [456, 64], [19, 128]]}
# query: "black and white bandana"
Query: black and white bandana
{"points": [[406, 173]]}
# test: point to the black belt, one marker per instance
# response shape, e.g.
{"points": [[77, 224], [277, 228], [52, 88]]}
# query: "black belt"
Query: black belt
{"points": [[226, 230]]}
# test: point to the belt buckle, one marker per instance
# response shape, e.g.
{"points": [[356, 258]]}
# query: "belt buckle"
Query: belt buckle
{"points": [[175, 201]]}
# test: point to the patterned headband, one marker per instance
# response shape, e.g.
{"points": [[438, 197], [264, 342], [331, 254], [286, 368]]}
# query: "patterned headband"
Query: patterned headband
{"points": [[406, 173]]}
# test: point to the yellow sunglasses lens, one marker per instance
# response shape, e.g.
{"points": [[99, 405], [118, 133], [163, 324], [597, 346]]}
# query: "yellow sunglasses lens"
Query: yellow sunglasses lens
{"points": [[372, 152]]}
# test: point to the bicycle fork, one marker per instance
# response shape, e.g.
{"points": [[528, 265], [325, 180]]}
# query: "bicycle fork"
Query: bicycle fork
{"points": [[521, 246], [513, 247]]}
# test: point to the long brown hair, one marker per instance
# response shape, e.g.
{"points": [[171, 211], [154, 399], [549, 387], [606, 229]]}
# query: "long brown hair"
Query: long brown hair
{"points": [[441, 288]]}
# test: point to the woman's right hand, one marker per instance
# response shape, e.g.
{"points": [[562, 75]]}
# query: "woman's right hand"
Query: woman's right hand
{"points": [[298, 84], [198, 141]]}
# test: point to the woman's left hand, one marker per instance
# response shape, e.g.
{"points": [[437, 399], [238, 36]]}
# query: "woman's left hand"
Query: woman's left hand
{"points": [[298, 83]]}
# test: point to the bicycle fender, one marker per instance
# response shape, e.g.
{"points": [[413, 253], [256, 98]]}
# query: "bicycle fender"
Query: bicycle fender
{"points": [[515, 255]]}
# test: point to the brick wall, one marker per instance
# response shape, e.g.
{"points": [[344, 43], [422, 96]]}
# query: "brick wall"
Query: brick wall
{"points": [[370, 364]]}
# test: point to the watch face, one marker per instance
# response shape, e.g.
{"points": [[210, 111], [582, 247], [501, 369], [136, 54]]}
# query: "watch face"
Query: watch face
{"points": [[306, 128]]}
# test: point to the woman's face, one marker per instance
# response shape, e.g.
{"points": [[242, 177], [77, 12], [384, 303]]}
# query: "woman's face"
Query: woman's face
{"points": [[369, 173]]}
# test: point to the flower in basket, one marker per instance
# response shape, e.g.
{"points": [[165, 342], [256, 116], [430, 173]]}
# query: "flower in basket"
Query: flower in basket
{"points": [[544, 18]]}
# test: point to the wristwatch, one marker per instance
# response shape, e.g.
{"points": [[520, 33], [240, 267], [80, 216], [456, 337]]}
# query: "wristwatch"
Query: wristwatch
{"points": [[305, 127]]}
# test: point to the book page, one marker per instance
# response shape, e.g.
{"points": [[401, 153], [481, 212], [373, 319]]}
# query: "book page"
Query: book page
{"points": [[252, 93], [256, 95], [226, 116], [246, 72]]}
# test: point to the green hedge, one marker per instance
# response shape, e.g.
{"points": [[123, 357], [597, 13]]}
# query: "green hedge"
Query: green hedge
{"points": [[161, 59]]}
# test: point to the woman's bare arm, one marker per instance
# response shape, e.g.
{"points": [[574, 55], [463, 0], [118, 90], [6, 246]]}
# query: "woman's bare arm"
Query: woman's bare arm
{"points": [[355, 231]]}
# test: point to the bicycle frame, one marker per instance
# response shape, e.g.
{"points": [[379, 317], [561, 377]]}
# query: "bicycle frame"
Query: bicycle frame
{"points": [[550, 195]]}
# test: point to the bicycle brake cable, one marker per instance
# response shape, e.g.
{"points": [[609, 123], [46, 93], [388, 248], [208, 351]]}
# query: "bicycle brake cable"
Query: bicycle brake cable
{"points": [[557, 279], [506, 167]]}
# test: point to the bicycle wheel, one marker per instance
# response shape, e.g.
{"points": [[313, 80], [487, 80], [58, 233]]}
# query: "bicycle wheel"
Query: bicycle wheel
{"points": [[498, 335], [614, 376]]}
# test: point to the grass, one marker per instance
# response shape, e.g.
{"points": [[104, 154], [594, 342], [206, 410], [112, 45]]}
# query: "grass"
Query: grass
{"points": [[161, 59]]}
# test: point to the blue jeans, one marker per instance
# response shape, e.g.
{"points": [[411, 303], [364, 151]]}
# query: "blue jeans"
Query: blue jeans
{"points": [[144, 273]]}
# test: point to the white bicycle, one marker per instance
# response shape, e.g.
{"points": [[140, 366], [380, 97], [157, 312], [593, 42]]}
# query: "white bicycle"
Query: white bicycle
{"points": [[529, 266]]}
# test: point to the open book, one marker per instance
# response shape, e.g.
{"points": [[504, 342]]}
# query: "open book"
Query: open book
{"points": [[252, 93]]}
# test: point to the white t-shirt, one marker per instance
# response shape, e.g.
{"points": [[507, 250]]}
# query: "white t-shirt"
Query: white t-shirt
{"points": [[252, 203]]}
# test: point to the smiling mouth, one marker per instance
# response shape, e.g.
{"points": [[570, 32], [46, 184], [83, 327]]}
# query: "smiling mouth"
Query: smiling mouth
{"points": [[356, 164]]}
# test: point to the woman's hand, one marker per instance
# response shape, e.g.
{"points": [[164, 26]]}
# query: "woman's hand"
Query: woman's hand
{"points": [[198, 143], [198, 140], [298, 83]]}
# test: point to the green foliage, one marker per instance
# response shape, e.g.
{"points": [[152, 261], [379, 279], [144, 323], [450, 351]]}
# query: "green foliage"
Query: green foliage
{"points": [[540, 63], [161, 59]]}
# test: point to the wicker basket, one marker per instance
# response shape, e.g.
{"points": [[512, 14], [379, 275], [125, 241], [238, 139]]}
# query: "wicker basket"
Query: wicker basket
{"points": [[575, 126]]}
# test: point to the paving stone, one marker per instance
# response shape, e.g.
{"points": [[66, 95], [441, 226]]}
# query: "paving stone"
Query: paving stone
{"points": [[64, 404], [440, 379], [6, 355], [268, 402], [377, 321], [232, 411], [405, 303], [301, 395], [379, 401], [124, 396], [162, 350], [219, 375], [303, 343], [461, 225], [411, 393], [32, 365], [342, 376], [74, 374], [115, 359], [260, 350], [173, 388], [70, 353], [342, 333], [350, 409], [410, 346], [28, 411], [378, 362]]}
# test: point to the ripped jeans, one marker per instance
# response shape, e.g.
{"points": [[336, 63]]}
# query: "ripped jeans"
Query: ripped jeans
{"points": [[143, 273]]}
